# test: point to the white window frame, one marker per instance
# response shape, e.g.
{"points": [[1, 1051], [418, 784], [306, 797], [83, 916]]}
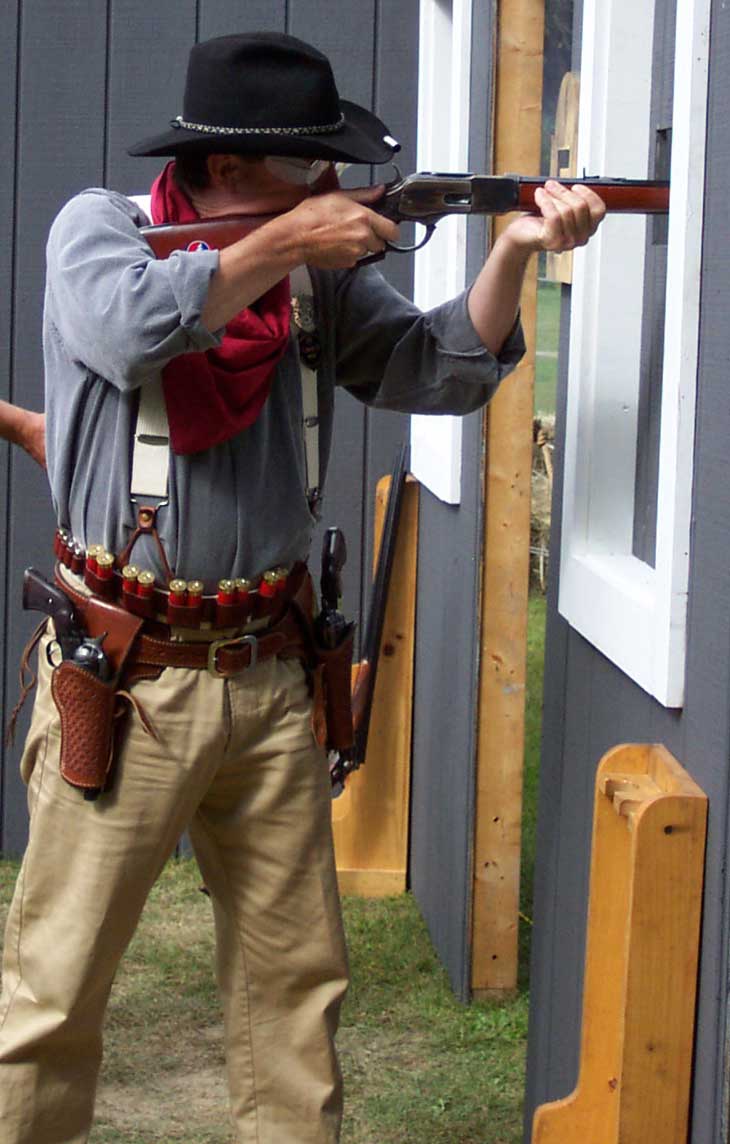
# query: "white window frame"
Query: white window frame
{"points": [[633, 613], [444, 75]]}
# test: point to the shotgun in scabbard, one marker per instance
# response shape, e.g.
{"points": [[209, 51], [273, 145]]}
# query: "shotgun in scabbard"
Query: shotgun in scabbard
{"points": [[426, 198], [363, 689]]}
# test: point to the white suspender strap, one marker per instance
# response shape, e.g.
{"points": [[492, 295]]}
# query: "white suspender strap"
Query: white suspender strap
{"points": [[144, 202], [151, 453], [304, 323]]}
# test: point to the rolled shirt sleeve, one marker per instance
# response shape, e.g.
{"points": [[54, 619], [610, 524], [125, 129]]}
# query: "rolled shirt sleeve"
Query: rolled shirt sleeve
{"points": [[112, 304], [391, 355]]}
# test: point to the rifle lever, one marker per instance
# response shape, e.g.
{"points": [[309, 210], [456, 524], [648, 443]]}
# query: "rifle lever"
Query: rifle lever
{"points": [[430, 227]]}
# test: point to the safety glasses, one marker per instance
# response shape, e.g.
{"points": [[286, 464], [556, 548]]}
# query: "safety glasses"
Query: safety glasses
{"points": [[302, 172]]}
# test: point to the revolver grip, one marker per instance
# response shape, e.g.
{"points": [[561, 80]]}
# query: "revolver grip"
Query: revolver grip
{"points": [[39, 595]]}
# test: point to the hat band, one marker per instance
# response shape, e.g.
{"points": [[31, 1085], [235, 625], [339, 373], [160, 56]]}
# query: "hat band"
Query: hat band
{"points": [[208, 129]]}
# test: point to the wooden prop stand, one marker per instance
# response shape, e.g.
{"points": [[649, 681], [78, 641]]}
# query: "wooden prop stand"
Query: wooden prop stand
{"points": [[508, 433], [370, 818], [642, 949], [563, 163]]}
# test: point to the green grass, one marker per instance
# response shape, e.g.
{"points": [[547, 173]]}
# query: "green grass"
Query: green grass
{"points": [[420, 1068], [548, 315], [547, 340]]}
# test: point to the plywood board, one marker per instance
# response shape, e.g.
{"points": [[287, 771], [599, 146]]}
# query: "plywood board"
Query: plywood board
{"points": [[370, 818]]}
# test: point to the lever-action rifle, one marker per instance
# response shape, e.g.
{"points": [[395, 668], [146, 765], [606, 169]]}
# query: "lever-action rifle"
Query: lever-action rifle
{"points": [[427, 198]]}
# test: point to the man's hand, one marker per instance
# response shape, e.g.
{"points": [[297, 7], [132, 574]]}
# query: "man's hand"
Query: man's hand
{"points": [[330, 231], [25, 428], [336, 230], [568, 217]]}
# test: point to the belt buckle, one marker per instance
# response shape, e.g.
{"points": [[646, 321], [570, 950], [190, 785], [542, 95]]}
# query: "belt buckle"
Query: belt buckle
{"points": [[217, 646]]}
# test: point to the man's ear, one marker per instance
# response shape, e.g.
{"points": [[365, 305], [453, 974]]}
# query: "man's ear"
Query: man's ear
{"points": [[224, 171]]}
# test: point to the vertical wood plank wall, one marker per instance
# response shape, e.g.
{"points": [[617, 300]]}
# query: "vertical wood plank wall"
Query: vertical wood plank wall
{"points": [[590, 706], [74, 92]]}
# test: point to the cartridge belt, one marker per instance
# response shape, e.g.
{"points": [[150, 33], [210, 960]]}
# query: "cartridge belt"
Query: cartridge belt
{"points": [[234, 604], [289, 637]]}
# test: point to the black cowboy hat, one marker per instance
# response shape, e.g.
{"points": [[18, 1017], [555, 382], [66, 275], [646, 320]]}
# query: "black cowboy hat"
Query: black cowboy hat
{"points": [[264, 93]]}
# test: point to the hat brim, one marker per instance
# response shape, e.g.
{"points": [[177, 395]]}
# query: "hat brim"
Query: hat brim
{"points": [[363, 138]]}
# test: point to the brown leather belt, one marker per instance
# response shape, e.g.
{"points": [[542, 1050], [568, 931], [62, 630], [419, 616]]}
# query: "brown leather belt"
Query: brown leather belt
{"points": [[224, 657], [150, 645]]}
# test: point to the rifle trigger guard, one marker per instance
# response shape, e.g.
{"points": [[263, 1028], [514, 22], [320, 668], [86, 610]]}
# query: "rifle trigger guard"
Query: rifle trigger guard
{"points": [[369, 258], [430, 228]]}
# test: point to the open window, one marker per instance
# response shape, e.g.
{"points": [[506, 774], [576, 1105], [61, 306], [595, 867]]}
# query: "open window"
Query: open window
{"points": [[634, 344]]}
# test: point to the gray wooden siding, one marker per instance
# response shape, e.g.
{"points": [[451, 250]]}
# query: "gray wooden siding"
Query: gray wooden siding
{"points": [[447, 649], [590, 706], [74, 92]]}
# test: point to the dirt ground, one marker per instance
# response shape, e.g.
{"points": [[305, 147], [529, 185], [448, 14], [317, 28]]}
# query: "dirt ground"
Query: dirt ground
{"points": [[164, 1107]]}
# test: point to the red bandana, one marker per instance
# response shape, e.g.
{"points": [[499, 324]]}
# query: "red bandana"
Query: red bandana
{"points": [[212, 396]]}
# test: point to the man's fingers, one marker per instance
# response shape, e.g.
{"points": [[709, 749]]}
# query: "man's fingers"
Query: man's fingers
{"points": [[573, 211], [365, 194], [553, 236], [580, 211], [594, 202], [342, 226], [383, 228]]}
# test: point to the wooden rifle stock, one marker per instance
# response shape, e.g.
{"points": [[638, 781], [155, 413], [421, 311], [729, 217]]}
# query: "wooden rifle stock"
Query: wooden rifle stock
{"points": [[361, 686], [212, 233]]}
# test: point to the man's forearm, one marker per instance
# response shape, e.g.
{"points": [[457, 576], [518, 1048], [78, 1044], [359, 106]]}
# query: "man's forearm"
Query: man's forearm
{"points": [[494, 298], [12, 422], [249, 268]]}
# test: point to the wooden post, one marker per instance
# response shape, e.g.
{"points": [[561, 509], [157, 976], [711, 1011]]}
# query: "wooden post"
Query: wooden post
{"points": [[642, 950], [370, 818], [508, 434]]}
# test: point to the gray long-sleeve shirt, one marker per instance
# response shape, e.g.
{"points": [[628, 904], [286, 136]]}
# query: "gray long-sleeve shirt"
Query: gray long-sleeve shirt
{"points": [[114, 316]]}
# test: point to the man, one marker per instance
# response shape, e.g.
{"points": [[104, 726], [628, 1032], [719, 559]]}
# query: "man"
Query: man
{"points": [[227, 752]]}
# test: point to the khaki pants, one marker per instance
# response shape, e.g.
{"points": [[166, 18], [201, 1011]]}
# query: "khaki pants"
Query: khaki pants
{"points": [[237, 764]]}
